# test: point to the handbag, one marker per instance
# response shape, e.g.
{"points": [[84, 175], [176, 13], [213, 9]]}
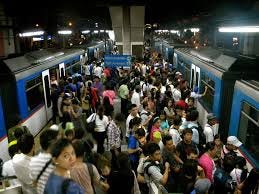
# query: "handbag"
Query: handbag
{"points": [[91, 125]]}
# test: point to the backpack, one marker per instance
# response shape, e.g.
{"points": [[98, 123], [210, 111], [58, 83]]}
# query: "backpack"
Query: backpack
{"points": [[202, 137], [223, 180], [152, 163]]}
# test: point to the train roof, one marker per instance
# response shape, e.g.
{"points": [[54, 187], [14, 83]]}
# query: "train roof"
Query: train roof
{"points": [[39, 60], [249, 87], [222, 60]]}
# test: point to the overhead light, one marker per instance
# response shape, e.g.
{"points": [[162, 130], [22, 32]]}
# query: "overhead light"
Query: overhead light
{"points": [[37, 25], [28, 34], [185, 42], [85, 31], [96, 31], [34, 39], [174, 31], [195, 29], [65, 32], [70, 23], [101, 31], [240, 29]]}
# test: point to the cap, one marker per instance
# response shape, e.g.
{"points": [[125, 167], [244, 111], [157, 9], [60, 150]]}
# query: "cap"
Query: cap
{"points": [[178, 73], [211, 116], [157, 135], [69, 126], [202, 186], [234, 141], [54, 127]]}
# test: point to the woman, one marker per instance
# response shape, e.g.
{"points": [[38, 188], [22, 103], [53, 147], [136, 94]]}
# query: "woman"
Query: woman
{"points": [[108, 108], [101, 122], [109, 92], [155, 127], [114, 135], [86, 175], [64, 159], [169, 111], [123, 180]]}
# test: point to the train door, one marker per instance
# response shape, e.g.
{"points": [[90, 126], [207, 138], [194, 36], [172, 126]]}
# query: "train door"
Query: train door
{"points": [[46, 88], [62, 71], [195, 77]]}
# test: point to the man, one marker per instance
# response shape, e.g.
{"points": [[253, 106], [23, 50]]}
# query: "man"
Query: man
{"points": [[176, 92], [193, 125], [232, 144], [123, 94], [133, 114], [185, 145], [135, 99], [145, 115], [174, 130], [44, 158], [22, 161], [209, 131], [154, 171], [134, 149]]}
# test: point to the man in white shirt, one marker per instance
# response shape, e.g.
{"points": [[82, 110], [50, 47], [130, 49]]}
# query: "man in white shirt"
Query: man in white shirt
{"points": [[193, 117], [135, 99], [43, 159], [209, 131], [176, 92], [173, 131], [133, 114], [98, 70], [22, 161]]}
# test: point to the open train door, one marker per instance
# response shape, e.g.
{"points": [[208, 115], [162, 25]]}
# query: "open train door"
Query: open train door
{"points": [[62, 70], [46, 88], [195, 77]]}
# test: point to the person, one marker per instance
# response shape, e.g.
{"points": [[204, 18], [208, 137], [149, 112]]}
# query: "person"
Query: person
{"points": [[85, 174], [123, 94], [185, 145], [154, 171], [174, 130], [109, 92], [232, 144], [101, 122], [195, 95], [134, 148], [240, 172], [164, 125], [135, 99], [193, 124], [169, 111], [206, 160], [219, 145], [41, 165], [155, 127], [209, 131], [64, 159], [123, 179], [133, 114], [22, 161]]}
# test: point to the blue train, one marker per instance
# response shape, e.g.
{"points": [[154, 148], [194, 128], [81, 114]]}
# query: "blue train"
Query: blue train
{"points": [[219, 71]]}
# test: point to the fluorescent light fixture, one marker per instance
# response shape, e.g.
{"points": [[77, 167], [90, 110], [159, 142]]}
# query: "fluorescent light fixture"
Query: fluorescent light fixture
{"points": [[85, 31], [102, 31], [96, 31], [111, 35], [240, 29], [34, 39], [64, 32], [29, 34], [174, 31]]}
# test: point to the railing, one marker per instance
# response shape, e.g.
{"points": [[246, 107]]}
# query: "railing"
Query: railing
{"points": [[17, 189]]}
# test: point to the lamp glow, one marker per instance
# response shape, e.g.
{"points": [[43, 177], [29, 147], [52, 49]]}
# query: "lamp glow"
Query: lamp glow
{"points": [[240, 29], [85, 31]]}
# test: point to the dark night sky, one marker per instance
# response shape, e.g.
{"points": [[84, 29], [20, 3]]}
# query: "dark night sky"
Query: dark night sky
{"points": [[48, 13]]}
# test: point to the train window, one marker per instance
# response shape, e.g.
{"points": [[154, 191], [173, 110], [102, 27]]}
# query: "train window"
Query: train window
{"points": [[249, 129], [208, 99], [34, 93], [47, 90], [192, 77], [197, 79], [76, 68]]}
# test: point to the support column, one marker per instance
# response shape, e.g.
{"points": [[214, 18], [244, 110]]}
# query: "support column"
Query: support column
{"points": [[126, 28]]}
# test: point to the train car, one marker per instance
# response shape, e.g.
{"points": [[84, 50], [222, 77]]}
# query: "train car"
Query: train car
{"points": [[244, 122], [218, 71], [25, 88]]}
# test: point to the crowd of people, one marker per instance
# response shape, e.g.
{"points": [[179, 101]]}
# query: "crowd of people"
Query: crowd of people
{"points": [[167, 148]]}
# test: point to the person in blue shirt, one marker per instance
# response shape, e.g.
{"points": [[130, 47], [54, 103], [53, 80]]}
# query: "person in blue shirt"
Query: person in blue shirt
{"points": [[64, 158], [134, 150]]}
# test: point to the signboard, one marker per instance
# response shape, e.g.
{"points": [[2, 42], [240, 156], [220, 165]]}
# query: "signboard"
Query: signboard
{"points": [[117, 61]]}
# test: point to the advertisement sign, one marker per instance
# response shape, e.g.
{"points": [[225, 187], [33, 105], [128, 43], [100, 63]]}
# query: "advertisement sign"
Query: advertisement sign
{"points": [[117, 61]]}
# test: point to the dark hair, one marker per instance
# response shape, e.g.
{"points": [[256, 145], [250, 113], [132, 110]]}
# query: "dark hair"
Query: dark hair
{"points": [[26, 143], [140, 132], [66, 118], [152, 148], [47, 137], [119, 117], [193, 116], [166, 138], [100, 112], [79, 148], [12, 150], [79, 133], [190, 168], [144, 104], [190, 99], [251, 182], [59, 146], [177, 120], [133, 106], [123, 162], [69, 132], [106, 101], [187, 131], [191, 150], [217, 136], [18, 132], [210, 146], [241, 163]]}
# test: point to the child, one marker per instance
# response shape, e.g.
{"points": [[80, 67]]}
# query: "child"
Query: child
{"points": [[164, 125]]}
